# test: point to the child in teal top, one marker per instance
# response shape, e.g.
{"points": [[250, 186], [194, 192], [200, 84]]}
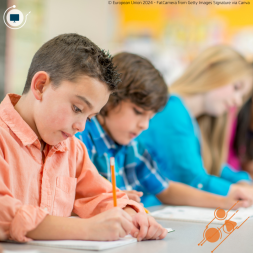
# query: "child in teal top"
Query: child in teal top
{"points": [[179, 154], [189, 138]]}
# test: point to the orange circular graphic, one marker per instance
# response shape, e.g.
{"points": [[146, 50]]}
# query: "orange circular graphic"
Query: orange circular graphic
{"points": [[220, 214], [212, 235], [229, 226]]}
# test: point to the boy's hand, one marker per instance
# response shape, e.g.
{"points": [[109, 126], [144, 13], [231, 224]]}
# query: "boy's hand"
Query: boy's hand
{"points": [[148, 228], [236, 193], [110, 225], [134, 195]]}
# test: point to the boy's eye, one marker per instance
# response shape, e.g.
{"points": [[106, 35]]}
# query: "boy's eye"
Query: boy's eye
{"points": [[137, 111], [76, 109]]}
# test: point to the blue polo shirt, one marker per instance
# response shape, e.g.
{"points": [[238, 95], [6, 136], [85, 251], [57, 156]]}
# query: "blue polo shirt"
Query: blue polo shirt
{"points": [[134, 167]]}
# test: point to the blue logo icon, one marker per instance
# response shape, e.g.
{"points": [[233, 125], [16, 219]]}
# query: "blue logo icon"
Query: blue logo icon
{"points": [[13, 19]]}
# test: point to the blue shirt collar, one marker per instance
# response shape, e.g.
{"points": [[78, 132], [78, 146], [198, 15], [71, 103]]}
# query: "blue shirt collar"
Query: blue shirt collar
{"points": [[102, 141]]}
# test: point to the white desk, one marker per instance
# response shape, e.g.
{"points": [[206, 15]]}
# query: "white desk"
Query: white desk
{"points": [[184, 239]]}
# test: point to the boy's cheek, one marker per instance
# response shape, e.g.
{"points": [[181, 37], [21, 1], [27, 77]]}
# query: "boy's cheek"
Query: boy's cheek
{"points": [[57, 119]]}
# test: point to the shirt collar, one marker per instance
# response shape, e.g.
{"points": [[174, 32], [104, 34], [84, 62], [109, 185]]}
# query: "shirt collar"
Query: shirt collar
{"points": [[102, 141], [18, 126]]}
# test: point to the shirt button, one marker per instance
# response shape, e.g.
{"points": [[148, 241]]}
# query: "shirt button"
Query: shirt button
{"points": [[45, 209], [200, 186]]}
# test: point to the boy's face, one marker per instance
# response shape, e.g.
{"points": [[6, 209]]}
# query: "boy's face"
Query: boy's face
{"points": [[61, 112], [126, 121]]}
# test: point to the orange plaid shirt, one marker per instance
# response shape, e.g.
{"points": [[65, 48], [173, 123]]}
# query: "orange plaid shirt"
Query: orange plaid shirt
{"points": [[30, 188]]}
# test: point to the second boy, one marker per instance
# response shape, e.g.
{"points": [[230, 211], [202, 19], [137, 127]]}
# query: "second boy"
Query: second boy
{"points": [[139, 96]]}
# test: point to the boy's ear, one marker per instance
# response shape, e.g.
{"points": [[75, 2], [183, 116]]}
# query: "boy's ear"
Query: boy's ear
{"points": [[39, 83]]}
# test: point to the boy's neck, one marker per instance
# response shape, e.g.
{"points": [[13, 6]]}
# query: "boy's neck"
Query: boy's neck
{"points": [[25, 109], [101, 121]]}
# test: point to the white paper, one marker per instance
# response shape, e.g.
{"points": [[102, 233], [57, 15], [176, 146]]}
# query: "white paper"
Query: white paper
{"points": [[197, 214], [85, 245]]}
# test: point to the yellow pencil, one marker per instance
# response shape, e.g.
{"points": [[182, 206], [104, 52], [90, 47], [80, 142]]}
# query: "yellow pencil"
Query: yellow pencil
{"points": [[112, 165]]}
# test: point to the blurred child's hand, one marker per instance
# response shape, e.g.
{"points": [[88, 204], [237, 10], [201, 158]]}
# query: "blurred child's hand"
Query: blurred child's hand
{"points": [[110, 225], [238, 192], [248, 188], [134, 195], [148, 228]]}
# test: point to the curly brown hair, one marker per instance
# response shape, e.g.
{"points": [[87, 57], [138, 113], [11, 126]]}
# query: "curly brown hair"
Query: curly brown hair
{"points": [[68, 56], [141, 83]]}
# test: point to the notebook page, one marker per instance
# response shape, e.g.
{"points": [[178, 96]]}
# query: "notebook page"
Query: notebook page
{"points": [[197, 214], [85, 245]]}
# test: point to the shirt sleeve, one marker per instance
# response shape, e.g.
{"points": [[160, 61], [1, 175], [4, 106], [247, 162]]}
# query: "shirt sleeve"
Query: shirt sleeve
{"points": [[147, 171], [187, 165], [93, 192], [173, 143], [230, 174], [16, 219]]}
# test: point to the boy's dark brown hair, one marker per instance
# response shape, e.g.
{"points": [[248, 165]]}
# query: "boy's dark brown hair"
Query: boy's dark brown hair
{"points": [[68, 56], [141, 83]]}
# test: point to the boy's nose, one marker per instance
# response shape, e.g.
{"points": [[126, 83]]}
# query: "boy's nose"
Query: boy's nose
{"points": [[144, 124], [79, 126]]}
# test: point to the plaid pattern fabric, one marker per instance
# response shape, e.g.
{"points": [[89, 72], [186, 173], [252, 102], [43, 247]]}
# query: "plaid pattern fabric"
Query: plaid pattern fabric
{"points": [[134, 168]]}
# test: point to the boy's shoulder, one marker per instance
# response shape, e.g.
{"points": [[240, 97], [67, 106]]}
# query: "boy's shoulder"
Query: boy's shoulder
{"points": [[5, 132], [8, 141], [3, 126]]}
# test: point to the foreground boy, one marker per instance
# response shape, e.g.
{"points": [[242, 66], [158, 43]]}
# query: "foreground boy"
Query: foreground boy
{"points": [[45, 172], [140, 95]]}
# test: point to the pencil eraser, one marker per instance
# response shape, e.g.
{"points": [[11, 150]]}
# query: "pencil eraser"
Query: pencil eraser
{"points": [[112, 161]]}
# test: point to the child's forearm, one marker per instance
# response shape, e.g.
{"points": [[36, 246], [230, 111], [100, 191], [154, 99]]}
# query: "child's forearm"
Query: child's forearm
{"points": [[181, 194], [58, 228]]}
